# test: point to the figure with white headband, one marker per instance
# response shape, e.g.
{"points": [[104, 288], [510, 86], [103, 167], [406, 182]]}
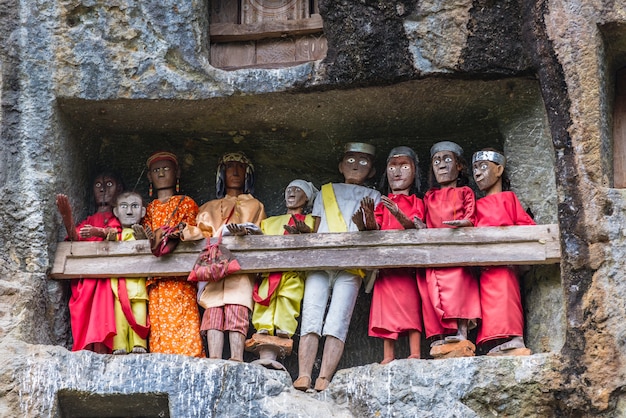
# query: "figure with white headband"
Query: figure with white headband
{"points": [[396, 308], [450, 298], [278, 295], [228, 302], [333, 210], [502, 322]]}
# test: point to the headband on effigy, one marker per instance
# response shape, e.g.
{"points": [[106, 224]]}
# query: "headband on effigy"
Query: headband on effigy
{"points": [[494, 157], [160, 156], [403, 151], [220, 179], [446, 146], [360, 147], [239, 157], [308, 188]]}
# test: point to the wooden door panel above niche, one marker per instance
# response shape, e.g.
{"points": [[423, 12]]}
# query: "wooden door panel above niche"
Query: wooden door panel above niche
{"points": [[257, 11], [265, 33]]}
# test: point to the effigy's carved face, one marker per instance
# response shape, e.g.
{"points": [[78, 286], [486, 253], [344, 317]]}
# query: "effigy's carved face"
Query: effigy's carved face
{"points": [[105, 189], [235, 175], [129, 209], [486, 174], [400, 173], [446, 168], [295, 197], [163, 174], [356, 167]]}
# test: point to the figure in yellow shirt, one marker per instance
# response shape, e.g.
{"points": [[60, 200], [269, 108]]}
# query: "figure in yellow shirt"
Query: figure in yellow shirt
{"points": [[279, 294], [131, 297]]}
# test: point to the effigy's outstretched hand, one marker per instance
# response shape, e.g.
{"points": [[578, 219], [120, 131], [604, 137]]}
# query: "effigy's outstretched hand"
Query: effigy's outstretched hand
{"points": [[247, 228], [299, 227], [458, 223], [357, 218], [367, 210], [418, 223], [139, 232], [236, 229], [393, 208]]}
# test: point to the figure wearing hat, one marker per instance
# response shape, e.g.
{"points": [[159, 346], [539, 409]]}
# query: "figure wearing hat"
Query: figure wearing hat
{"points": [[278, 295], [228, 302], [333, 210], [174, 315], [500, 299], [396, 308], [450, 299]]}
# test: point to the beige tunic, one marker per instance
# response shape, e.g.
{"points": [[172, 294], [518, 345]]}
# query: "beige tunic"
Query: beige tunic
{"points": [[235, 289]]}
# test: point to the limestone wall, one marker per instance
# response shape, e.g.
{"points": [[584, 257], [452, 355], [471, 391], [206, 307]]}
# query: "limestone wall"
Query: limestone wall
{"points": [[87, 84]]}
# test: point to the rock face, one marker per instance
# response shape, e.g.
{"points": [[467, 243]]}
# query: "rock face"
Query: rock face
{"points": [[86, 84]]}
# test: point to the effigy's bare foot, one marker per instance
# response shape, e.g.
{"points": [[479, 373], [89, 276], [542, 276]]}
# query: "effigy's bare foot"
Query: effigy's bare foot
{"points": [[321, 383], [119, 351], [387, 360], [139, 350], [303, 383]]}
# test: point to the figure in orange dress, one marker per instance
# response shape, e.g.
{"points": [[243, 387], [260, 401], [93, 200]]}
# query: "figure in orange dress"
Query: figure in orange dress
{"points": [[174, 314]]}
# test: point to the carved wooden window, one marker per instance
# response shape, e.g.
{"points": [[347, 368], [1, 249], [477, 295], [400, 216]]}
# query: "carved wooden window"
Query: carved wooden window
{"points": [[619, 131], [265, 33]]}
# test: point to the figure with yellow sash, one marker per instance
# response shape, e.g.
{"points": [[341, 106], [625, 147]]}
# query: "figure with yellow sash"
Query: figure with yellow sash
{"points": [[333, 211]]}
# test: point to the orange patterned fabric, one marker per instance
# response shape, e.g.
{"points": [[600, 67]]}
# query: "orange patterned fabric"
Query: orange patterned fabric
{"points": [[174, 315]]}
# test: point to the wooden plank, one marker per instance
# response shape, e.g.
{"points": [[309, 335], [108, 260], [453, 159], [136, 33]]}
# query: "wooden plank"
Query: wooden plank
{"points": [[236, 54], [230, 32], [372, 249], [310, 48], [275, 51]]}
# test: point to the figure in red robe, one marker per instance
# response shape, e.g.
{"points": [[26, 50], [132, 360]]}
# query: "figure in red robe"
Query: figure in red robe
{"points": [[450, 296], [92, 313], [396, 308], [500, 299]]}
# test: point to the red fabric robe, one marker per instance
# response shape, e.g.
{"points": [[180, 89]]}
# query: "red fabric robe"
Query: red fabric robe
{"points": [[448, 293], [500, 299], [92, 312], [396, 305]]}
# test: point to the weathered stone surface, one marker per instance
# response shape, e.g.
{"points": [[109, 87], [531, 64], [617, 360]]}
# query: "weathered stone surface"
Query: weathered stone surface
{"points": [[114, 385]]}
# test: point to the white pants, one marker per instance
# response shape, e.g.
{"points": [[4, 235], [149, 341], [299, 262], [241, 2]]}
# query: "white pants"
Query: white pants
{"points": [[318, 287]]}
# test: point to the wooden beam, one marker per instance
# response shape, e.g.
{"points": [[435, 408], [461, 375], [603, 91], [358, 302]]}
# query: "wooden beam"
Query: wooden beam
{"points": [[370, 250], [232, 32]]}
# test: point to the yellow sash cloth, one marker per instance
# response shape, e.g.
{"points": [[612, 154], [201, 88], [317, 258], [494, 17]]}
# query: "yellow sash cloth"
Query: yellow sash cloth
{"points": [[334, 217]]}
